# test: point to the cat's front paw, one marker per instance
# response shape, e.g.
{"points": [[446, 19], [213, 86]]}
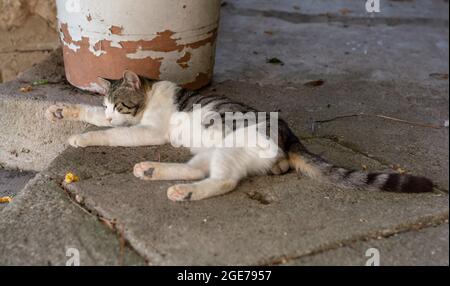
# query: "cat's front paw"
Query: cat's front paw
{"points": [[78, 140], [54, 113], [60, 112]]}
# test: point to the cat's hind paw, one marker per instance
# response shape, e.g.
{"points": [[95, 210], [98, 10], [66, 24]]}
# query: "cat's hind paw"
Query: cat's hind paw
{"points": [[144, 171], [181, 192]]}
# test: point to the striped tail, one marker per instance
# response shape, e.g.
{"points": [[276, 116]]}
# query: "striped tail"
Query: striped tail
{"points": [[316, 167]]}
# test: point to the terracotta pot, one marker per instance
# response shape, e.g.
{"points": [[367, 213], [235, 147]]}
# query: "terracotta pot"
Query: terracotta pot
{"points": [[160, 39]]}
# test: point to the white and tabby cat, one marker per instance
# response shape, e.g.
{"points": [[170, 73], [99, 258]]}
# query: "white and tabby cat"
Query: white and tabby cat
{"points": [[140, 112]]}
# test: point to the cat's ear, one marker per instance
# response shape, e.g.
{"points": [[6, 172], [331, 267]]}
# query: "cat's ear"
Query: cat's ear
{"points": [[132, 79], [105, 85]]}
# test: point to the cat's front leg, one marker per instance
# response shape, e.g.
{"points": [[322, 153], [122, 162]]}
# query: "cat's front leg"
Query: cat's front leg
{"points": [[77, 112], [120, 136], [63, 112], [80, 140]]}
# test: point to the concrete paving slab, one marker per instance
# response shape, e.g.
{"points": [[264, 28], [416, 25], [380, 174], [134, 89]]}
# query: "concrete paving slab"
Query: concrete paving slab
{"points": [[238, 228], [42, 222], [295, 218], [412, 248]]}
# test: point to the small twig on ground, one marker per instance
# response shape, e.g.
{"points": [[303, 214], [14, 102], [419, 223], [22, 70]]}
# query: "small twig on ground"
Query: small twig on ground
{"points": [[381, 116]]}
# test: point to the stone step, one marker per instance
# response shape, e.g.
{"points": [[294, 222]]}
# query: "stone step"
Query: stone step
{"points": [[28, 141], [43, 225]]}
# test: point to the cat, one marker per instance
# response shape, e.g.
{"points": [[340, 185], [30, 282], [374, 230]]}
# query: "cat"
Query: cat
{"points": [[142, 112]]}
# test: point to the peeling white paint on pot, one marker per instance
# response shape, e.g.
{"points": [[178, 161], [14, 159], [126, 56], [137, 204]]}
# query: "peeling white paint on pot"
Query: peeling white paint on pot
{"points": [[161, 39]]}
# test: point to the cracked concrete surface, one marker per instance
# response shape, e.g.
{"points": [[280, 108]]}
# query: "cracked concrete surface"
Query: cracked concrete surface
{"points": [[377, 66]]}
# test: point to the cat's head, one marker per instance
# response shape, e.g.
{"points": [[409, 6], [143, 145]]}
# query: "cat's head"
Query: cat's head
{"points": [[124, 98]]}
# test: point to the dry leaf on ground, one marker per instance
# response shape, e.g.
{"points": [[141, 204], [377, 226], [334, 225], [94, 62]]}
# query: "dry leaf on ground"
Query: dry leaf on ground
{"points": [[27, 88]]}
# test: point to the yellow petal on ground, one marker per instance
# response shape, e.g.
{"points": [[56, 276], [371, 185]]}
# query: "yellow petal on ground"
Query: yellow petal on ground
{"points": [[4, 200], [70, 178]]}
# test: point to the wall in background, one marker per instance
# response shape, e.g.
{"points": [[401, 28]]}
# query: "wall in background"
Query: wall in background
{"points": [[27, 34]]}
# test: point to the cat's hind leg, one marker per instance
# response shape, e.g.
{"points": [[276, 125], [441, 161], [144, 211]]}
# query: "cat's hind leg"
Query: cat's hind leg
{"points": [[157, 171], [197, 168], [227, 167]]}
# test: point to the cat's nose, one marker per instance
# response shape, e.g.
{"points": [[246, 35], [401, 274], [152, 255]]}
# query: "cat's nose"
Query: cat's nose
{"points": [[109, 119]]}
